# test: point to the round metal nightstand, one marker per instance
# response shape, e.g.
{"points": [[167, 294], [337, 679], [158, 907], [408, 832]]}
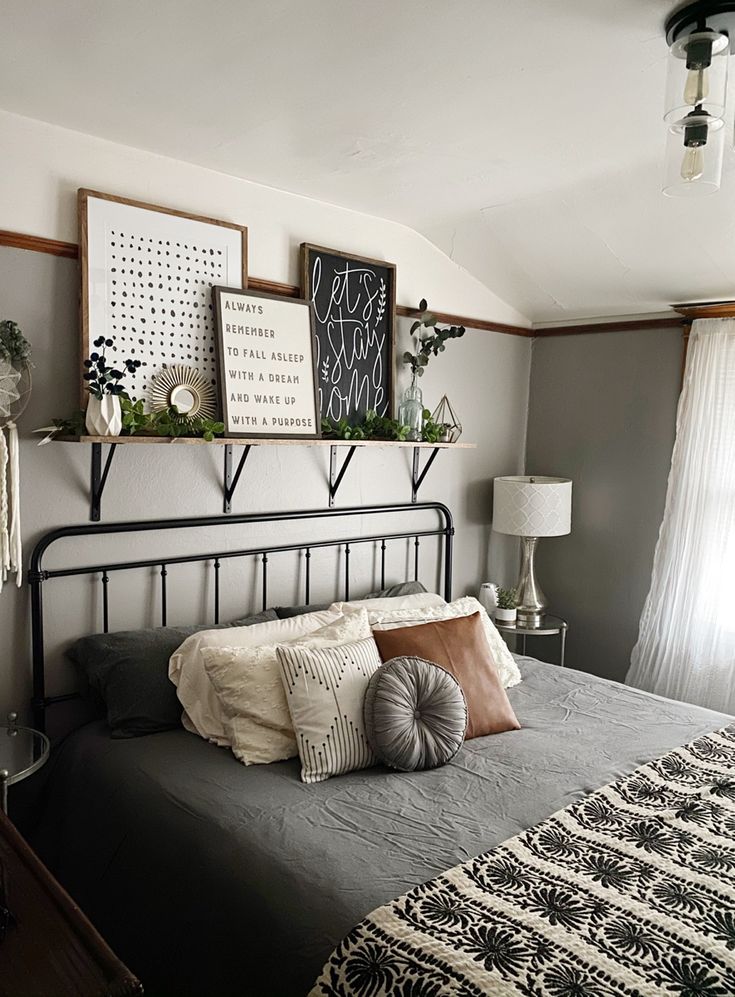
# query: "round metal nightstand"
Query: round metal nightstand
{"points": [[549, 627], [23, 751]]}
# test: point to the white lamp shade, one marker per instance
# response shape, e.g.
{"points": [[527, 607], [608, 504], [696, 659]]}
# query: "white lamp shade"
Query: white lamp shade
{"points": [[533, 506]]}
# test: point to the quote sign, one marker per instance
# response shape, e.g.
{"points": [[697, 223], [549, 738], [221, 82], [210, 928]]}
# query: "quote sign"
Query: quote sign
{"points": [[354, 309], [266, 362]]}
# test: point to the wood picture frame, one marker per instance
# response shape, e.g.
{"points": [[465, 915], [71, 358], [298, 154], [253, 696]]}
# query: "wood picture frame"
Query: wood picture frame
{"points": [[163, 326], [354, 299], [273, 359]]}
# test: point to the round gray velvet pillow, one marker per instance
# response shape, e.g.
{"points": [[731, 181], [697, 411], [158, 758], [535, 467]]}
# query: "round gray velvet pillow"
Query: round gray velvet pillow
{"points": [[415, 714]]}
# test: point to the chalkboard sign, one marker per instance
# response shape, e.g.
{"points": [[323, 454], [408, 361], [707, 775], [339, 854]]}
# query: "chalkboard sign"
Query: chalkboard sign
{"points": [[265, 347], [354, 302]]}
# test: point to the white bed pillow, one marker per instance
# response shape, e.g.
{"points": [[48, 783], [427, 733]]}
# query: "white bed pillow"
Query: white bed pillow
{"points": [[325, 691], [248, 684], [503, 660], [395, 603], [202, 711]]}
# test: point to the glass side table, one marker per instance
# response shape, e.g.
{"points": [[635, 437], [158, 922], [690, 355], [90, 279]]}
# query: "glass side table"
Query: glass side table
{"points": [[550, 626], [23, 751]]}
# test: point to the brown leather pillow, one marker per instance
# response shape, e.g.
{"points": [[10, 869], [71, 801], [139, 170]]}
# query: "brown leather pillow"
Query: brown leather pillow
{"points": [[460, 646]]}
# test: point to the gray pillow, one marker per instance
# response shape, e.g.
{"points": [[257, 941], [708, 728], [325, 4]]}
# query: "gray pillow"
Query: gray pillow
{"points": [[286, 612], [415, 714], [403, 588], [126, 673]]}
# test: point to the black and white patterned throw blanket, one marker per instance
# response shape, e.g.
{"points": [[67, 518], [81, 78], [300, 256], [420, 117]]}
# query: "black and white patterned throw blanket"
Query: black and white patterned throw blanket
{"points": [[628, 893]]}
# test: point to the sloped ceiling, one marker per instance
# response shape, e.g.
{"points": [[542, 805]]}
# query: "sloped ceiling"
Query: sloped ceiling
{"points": [[525, 139]]}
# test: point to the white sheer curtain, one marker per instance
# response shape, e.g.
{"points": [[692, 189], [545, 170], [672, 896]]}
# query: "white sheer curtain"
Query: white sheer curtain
{"points": [[686, 644]]}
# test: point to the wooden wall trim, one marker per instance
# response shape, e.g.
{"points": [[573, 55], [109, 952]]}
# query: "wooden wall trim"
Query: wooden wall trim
{"points": [[682, 313], [469, 323], [713, 309], [626, 325], [274, 287], [70, 250], [38, 245]]}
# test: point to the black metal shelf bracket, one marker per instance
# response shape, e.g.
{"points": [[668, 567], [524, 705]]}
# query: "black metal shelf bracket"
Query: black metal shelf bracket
{"points": [[98, 479], [417, 477], [231, 480], [335, 479], [232, 475]]}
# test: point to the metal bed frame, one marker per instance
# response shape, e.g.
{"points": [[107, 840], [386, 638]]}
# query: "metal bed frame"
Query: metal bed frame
{"points": [[38, 576]]}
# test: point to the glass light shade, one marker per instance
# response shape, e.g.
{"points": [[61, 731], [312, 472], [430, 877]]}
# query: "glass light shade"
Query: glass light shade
{"points": [[535, 506], [697, 75], [697, 169]]}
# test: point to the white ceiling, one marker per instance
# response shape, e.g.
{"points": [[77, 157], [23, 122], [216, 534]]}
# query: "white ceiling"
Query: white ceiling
{"points": [[524, 138]]}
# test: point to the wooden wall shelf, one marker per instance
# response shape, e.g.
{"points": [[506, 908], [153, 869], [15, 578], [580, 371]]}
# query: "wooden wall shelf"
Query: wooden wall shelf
{"points": [[260, 441], [232, 475]]}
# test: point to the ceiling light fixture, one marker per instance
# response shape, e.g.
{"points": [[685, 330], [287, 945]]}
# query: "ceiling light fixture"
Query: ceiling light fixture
{"points": [[699, 37]]}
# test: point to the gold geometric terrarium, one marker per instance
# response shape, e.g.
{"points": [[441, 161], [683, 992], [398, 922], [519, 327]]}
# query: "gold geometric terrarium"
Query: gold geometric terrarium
{"points": [[445, 416]]}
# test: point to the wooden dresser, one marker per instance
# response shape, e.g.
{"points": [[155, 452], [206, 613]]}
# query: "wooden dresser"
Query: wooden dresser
{"points": [[48, 948]]}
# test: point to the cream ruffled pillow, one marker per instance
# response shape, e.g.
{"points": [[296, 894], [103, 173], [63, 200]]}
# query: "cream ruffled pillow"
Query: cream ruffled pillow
{"points": [[202, 711], [247, 681], [395, 603], [503, 660]]}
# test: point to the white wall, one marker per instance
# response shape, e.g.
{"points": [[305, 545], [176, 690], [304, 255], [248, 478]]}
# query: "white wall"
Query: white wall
{"points": [[486, 375], [43, 166]]}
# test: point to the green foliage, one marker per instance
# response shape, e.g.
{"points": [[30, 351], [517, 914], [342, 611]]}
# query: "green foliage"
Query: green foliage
{"points": [[379, 427], [134, 419], [507, 599], [170, 422], [431, 432], [136, 422], [428, 345], [14, 346], [73, 426], [371, 427], [167, 422], [100, 377]]}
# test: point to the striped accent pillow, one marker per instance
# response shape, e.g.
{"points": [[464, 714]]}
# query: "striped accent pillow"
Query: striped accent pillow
{"points": [[325, 691]]}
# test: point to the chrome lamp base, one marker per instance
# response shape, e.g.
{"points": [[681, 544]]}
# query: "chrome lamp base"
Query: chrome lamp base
{"points": [[531, 600]]}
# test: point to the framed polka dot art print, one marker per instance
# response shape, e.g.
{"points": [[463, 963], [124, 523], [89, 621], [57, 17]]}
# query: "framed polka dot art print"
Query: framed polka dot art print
{"points": [[147, 279]]}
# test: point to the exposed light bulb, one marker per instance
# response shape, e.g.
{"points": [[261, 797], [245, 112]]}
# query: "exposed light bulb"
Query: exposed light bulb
{"points": [[696, 88], [692, 166]]}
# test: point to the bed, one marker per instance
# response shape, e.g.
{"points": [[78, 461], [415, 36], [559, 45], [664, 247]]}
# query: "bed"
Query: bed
{"points": [[211, 878]]}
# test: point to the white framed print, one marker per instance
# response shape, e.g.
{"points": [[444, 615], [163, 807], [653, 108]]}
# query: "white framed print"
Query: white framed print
{"points": [[267, 379], [147, 276]]}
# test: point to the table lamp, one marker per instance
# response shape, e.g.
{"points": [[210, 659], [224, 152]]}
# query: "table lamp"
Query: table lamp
{"points": [[529, 508]]}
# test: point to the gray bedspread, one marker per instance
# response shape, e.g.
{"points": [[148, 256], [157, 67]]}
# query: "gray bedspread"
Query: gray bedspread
{"points": [[211, 878]]}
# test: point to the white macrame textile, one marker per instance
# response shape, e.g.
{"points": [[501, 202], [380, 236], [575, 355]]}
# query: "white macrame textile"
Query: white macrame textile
{"points": [[11, 551]]}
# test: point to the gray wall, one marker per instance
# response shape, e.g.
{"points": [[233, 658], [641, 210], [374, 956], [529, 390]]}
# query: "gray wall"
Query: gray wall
{"points": [[486, 375], [603, 412]]}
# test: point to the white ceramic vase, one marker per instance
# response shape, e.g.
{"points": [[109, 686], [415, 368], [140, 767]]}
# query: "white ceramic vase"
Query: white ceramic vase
{"points": [[104, 417], [506, 615], [488, 597]]}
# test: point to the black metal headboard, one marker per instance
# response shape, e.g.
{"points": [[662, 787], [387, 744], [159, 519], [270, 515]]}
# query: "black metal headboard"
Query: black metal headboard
{"points": [[38, 575]]}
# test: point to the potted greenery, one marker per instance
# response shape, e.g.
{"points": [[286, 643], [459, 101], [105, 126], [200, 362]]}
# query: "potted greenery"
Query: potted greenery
{"points": [[104, 415], [430, 341], [14, 347], [507, 603]]}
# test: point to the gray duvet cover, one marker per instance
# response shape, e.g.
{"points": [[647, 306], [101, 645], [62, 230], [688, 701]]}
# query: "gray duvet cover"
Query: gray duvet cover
{"points": [[211, 878]]}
